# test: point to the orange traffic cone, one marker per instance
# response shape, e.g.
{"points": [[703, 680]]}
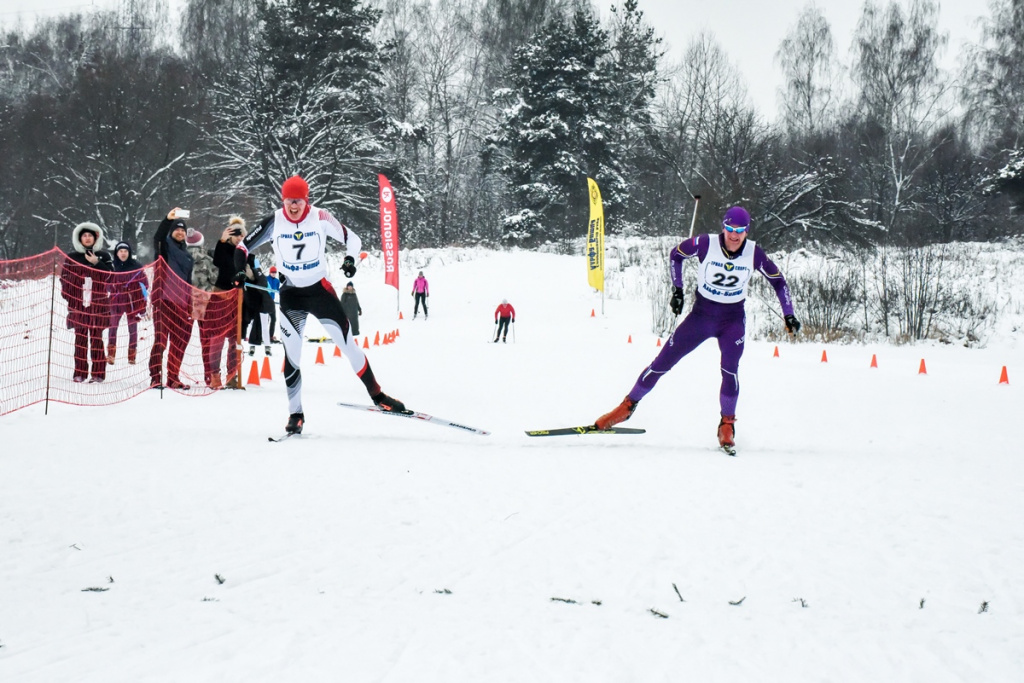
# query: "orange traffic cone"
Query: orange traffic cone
{"points": [[254, 374], [922, 370], [319, 355], [874, 361], [400, 316], [265, 374], [591, 312], [824, 356], [337, 350], [376, 339], [366, 342], [1003, 377], [398, 333], [386, 340], [776, 353], [630, 340], [659, 342]]}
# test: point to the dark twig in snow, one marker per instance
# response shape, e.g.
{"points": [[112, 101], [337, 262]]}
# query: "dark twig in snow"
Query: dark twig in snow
{"points": [[738, 602], [658, 614], [678, 593], [565, 600]]}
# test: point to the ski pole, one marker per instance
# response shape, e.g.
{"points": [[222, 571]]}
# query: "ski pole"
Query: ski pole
{"points": [[693, 221], [513, 331], [495, 335]]}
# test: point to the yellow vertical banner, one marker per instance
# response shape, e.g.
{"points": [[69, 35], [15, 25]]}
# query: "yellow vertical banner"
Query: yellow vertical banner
{"points": [[595, 238]]}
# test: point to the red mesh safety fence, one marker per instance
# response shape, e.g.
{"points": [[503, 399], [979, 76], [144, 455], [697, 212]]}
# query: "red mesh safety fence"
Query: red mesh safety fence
{"points": [[78, 334]]}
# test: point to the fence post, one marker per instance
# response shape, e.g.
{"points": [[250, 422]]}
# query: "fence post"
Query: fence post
{"points": [[49, 349]]}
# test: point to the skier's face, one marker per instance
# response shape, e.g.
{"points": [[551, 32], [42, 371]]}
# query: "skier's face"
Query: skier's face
{"points": [[293, 208], [734, 240]]}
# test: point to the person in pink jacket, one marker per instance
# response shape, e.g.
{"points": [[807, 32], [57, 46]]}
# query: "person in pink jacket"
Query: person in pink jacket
{"points": [[420, 290], [503, 314]]}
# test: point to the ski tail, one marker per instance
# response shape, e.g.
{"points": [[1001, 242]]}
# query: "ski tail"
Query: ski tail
{"points": [[422, 417]]}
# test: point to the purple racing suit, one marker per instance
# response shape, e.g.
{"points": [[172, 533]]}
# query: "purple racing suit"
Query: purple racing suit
{"points": [[717, 311]]}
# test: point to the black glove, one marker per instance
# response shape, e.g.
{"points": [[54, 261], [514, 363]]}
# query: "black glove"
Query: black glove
{"points": [[677, 301], [348, 266], [239, 279], [792, 324]]}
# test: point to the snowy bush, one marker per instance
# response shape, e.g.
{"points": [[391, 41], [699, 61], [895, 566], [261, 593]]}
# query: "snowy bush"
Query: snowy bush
{"points": [[957, 293]]}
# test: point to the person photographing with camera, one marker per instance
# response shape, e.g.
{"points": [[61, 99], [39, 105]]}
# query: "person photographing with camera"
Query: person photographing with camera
{"points": [[225, 307], [727, 261], [298, 233]]}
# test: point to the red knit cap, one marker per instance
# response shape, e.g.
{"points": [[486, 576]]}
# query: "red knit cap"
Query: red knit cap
{"points": [[295, 188]]}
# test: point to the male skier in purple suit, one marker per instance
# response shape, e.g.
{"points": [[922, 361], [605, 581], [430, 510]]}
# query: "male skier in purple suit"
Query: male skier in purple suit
{"points": [[726, 264]]}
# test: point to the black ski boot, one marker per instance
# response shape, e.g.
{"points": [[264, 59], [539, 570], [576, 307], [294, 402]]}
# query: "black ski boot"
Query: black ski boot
{"points": [[388, 404], [295, 422]]}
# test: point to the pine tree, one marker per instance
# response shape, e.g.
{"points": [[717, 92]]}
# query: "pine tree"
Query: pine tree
{"points": [[635, 55], [555, 131], [309, 102]]}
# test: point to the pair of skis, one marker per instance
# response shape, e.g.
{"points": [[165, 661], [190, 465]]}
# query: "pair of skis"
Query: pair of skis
{"points": [[593, 429], [442, 422]]}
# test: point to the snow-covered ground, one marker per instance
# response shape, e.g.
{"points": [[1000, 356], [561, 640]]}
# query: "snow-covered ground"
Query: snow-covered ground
{"points": [[869, 530]]}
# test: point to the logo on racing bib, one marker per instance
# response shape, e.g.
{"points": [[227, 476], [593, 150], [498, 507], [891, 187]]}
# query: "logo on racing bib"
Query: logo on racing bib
{"points": [[730, 266], [298, 235]]}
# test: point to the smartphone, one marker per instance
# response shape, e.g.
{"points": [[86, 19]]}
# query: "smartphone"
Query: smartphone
{"points": [[236, 232], [182, 213]]}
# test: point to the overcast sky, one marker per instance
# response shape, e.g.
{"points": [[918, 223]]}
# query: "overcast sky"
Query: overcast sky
{"points": [[749, 30]]}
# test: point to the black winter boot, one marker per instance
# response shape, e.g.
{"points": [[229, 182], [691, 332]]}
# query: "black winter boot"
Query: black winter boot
{"points": [[295, 422], [388, 404]]}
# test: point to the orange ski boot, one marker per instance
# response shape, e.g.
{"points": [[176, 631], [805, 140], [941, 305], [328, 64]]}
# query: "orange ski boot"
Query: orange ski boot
{"points": [[727, 434], [619, 413]]}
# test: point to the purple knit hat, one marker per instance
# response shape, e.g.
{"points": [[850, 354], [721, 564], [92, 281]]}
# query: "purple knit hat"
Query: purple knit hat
{"points": [[736, 217]]}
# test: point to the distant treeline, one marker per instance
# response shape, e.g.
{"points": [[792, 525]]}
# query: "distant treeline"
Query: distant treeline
{"points": [[489, 115]]}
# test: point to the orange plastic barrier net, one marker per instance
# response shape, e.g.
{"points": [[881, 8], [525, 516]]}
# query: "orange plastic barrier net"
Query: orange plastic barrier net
{"points": [[74, 334]]}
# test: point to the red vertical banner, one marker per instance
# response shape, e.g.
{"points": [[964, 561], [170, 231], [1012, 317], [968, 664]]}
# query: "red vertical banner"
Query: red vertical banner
{"points": [[388, 231]]}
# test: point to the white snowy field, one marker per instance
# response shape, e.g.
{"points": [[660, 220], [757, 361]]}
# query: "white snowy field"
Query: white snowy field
{"points": [[870, 527]]}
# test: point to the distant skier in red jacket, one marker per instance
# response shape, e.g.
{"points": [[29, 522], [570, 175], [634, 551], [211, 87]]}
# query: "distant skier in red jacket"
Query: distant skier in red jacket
{"points": [[502, 315]]}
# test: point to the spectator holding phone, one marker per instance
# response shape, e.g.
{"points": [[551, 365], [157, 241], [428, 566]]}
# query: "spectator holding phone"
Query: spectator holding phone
{"points": [[172, 301], [83, 285]]}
